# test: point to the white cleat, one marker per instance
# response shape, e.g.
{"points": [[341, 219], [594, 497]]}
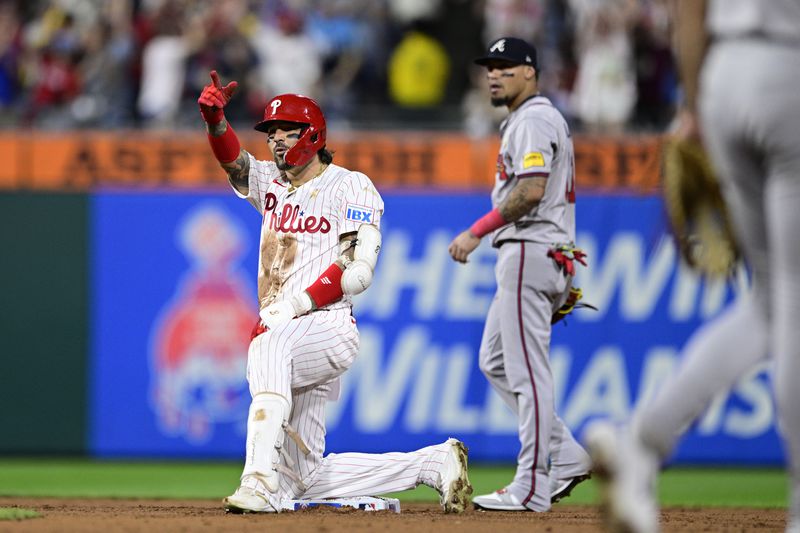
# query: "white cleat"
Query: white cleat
{"points": [[501, 500], [247, 500], [627, 473], [455, 488]]}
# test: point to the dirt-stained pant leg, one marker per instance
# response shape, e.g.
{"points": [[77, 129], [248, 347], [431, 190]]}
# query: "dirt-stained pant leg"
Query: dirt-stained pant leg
{"points": [[309, 350], [341, 475], [298, 361], [348, 474], [751, 129], [308, 418]]}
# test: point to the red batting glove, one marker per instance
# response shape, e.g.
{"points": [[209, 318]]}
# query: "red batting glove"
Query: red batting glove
{"points": [[214, 97], [579, 256]]}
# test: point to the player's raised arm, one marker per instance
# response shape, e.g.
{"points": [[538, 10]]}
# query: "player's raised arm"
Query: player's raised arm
{"points": [[223, 140]]}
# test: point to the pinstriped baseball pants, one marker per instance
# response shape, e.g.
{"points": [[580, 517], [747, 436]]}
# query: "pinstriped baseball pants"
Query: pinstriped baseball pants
{"points": [[300, 360]]}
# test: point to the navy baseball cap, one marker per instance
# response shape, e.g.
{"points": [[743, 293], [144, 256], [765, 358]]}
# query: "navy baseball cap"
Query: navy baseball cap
{"points": [[510, 49]]}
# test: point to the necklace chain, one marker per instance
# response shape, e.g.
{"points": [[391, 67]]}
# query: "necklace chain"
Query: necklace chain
{"points": [[292, 187]]}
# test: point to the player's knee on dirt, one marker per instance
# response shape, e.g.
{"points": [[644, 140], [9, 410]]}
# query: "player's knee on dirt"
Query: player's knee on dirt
{"points": [[358, 274]]}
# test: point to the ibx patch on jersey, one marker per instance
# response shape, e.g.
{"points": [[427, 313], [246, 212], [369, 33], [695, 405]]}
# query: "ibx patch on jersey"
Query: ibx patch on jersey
{"points": [[358, 213], [533, 159]]}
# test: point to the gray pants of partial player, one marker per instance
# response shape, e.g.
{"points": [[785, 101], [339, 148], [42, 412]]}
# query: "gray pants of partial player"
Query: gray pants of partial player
{"points": [[514, 356], [751, 125]]}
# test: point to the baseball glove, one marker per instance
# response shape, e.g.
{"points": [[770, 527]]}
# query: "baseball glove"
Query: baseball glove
{"points": [[696, 210], [573, 302]]}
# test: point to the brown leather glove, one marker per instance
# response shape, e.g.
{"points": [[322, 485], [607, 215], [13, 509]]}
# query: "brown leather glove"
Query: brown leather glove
{"points": [[696, 209]]}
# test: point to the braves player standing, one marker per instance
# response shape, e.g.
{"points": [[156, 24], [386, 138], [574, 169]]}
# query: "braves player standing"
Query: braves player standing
{"points": [[320, 240], [532, 222], [754, 144]]}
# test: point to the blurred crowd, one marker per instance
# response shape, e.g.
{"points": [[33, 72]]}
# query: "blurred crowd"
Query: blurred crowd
{"points": [[67, 64]]}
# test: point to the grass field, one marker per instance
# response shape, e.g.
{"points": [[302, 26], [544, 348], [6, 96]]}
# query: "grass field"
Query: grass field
{"points": [[13, 513], [728, 487]]}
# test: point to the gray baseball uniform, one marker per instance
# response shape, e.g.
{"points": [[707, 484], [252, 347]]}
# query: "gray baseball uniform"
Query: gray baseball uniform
{"points": [[750, 111], [514, 353]]}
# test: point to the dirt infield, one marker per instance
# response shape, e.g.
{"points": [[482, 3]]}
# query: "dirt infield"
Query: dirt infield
{"points": [[162, 516]]}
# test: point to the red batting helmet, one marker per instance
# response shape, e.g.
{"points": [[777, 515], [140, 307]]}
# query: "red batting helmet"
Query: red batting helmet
{"points": [[300, 110]]}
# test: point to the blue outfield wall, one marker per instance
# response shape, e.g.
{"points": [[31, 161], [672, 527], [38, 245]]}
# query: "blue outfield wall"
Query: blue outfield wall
{"points": [[173, 301]]}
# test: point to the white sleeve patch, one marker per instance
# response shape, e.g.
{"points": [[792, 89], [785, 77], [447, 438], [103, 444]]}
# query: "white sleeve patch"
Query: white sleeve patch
{"points": [[359, 213]]}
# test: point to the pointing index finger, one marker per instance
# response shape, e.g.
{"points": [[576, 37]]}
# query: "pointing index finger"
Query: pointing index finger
{"points": [[215, 79]]}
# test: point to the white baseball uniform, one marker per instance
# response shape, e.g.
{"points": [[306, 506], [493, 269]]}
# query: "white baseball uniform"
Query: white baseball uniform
{"points": [[302, 359], [514, 353], [750, 112]]}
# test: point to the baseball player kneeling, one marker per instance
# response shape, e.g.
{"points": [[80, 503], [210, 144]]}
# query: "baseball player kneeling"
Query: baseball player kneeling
{"points": [[320, 240]]}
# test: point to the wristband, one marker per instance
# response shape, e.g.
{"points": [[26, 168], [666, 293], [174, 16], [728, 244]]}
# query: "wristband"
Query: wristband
{"points": [[328, 287], [226, 147], [488, 223]]}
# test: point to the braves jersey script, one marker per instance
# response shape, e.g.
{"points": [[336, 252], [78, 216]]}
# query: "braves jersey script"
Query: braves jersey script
{"points": [[536, 142], [301, 228]]}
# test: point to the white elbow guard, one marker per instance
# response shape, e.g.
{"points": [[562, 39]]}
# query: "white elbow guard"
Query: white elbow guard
{"points": [[356, 277], [358, 274]]}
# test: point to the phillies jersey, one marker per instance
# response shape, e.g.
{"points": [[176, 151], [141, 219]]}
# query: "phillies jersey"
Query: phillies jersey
{"points": [[301, 226], [536, 142]]}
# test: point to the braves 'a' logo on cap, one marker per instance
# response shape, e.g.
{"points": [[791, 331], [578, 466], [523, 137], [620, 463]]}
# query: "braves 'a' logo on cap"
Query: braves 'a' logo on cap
{"points": [[275, 104], [498, 46]]}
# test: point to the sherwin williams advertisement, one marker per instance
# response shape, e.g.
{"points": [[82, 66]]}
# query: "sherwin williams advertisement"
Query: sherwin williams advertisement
{"points": [[174, 301]]}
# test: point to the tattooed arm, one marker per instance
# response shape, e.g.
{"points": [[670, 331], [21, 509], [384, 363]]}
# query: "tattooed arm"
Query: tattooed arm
{"points": [[525, 195], [238, 170], [347, 244], [223, 140]]}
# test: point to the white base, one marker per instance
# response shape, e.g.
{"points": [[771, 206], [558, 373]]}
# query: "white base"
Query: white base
{"points": [[364, 503]]}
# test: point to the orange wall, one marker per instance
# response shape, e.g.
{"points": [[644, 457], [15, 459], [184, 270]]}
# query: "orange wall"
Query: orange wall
{"points": [[77, 161]]}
